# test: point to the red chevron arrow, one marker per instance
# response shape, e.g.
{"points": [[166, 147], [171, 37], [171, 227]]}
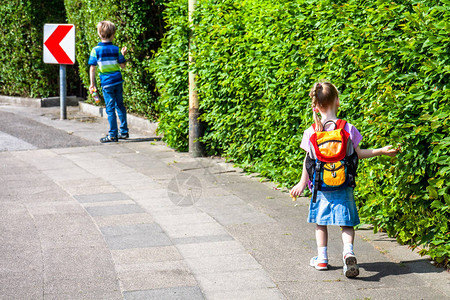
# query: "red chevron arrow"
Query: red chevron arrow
{"points": [[53, 41]]}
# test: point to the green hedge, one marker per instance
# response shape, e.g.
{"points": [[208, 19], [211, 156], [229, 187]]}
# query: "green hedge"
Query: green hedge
{"points": [[256, 61], [22, 70], [139, 27], [170, 69]]}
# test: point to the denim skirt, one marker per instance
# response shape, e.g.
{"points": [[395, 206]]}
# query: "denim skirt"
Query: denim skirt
{"points": [[334, 208]]}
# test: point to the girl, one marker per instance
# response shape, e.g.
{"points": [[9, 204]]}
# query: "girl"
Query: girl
{"points": [[333, 207]]}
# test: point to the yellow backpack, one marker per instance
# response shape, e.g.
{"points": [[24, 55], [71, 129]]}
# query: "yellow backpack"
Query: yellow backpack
{"points": [[332, 160]]}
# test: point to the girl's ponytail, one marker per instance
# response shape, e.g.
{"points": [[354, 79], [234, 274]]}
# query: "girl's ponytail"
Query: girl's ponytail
{"points": [[323, 94], [315, 103]]}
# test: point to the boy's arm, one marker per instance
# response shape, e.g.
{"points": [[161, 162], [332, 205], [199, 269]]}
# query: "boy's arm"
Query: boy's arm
{"points": [[300, 187], [92, 76], [368, 153]]}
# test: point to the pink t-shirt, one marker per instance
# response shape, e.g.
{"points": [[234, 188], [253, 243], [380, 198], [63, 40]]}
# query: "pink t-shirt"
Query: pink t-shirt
{"points": [[355, 136]]}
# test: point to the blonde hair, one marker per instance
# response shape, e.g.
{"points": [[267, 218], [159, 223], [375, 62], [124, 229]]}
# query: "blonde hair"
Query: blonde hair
{"points": [[106, 29], [323, 94]]}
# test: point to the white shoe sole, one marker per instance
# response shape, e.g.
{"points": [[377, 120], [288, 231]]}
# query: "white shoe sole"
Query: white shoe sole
{"points": [[317, 267]]}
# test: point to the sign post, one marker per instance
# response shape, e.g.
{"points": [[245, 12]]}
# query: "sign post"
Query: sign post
{"points": [[59, 48], [62, 92]]}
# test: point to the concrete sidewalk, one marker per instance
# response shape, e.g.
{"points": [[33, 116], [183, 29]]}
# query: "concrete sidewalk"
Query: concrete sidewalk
{"points": [[137, 220]]}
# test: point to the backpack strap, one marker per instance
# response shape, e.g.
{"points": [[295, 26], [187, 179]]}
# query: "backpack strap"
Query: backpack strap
{"points": [[340, 124], [316, 184], [330, 121]]}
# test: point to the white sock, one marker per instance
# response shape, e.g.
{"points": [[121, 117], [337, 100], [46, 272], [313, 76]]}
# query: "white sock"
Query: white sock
{"points": [[348, 248], [322, 252]]}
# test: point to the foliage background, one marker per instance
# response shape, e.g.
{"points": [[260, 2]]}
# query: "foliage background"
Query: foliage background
{"points": [[139, 27], [22, 70], [256, 61]]}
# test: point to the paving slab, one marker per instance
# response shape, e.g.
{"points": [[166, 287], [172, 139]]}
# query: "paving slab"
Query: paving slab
{"points": [[128, 219], [108, 203], [80, 288], [256, 294], [202, 239], [202, 250], [174, 293], [170, 209], [112, 210], [223, 263], [194, 230], [93, 263], [117, 196], [21, 287], [68, 207], [135, 236], [74, 173], [155, 275], [234, 281], [87, 186], [187, 219], [146, 255]]}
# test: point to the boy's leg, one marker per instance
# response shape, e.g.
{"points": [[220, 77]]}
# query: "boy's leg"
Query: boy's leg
{"points": [[121, 110], [108, 94]]}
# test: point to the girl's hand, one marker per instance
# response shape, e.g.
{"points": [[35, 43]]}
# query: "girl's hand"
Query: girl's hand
{"points": [[389, 151], [297, 190], [124, 51]]}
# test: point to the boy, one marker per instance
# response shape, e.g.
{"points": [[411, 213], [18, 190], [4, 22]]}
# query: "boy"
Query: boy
{"points": [[109, 60]]}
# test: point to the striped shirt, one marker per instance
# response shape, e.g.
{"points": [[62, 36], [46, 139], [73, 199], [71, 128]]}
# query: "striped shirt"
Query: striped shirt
{"points": [[108, 58]]}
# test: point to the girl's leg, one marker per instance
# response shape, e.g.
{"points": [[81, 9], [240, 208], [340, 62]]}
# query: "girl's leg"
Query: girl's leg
{"points": [[322, 241], [348, 237], [351, 268], [321, 235]]}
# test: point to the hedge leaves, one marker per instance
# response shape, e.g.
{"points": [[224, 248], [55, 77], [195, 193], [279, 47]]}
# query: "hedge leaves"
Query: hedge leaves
{"points": [[256, 61]]}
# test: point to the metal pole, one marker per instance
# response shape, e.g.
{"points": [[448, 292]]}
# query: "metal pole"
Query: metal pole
{"points": [[195, 128], [62, 91]]}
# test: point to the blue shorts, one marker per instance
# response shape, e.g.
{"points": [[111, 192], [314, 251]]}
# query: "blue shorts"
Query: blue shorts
{"points": [[334, 208]]}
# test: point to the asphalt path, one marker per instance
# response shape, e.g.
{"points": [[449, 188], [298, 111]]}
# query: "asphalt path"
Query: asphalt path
{"points": [[19, 132]]}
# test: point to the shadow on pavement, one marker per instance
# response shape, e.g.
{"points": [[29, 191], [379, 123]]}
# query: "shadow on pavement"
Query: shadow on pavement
{"points": [[383, 269]]}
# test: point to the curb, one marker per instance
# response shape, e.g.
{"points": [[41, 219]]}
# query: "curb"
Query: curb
{"points": [[20, 101], [133, 121], [55, 101], [98, 111], [36, 102]]}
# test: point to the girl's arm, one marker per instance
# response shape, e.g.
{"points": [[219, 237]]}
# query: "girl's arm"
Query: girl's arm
{"points": [[368, 153], [300, 187]]}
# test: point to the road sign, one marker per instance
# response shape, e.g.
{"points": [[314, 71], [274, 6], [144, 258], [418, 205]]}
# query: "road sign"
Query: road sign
{"points": [[59, 44]]}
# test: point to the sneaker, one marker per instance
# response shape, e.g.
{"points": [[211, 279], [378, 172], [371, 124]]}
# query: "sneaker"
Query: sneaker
{"points": [[123, 136], [351, 269], [108, 139], [321, 264]]}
